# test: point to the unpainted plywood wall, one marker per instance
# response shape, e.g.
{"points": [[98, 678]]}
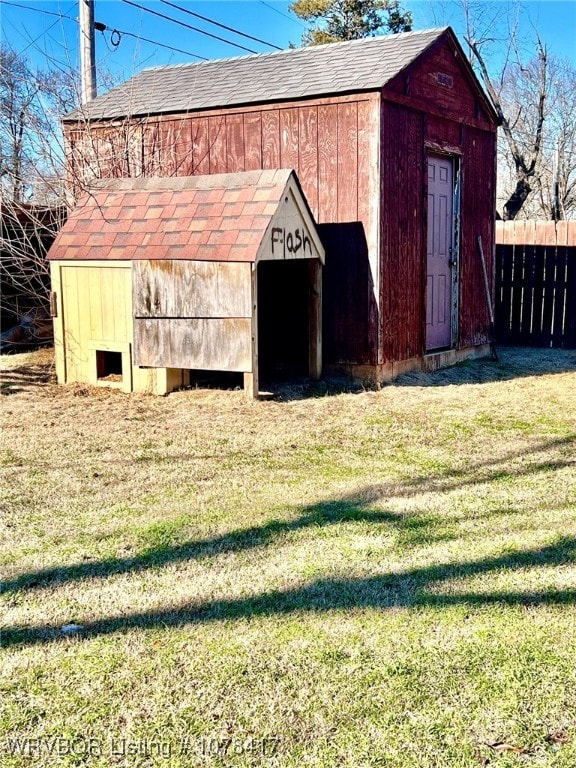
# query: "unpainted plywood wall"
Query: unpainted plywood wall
{"points": [[94, 312]]}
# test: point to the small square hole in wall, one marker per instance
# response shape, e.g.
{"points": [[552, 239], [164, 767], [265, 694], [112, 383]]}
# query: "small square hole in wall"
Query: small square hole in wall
{"points": [[108, 365]]}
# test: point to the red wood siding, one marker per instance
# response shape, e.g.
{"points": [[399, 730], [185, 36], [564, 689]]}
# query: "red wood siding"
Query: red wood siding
{"points": [[441, 84], [199, 131], [332, 144], [407, 136], [478, 218], [402, 228]]}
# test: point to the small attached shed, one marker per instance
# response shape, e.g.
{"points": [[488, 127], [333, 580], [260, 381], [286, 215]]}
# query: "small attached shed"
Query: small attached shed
{"points": [[156, 277], [394, 143]]}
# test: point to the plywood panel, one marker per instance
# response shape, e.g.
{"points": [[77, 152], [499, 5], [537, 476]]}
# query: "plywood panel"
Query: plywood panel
{"points": [[151, 151], [182, 289], [271, 139], [183, 151], [200, 146], [369, 181], [443, 132], [289, 138], [108, 301], [347, 152], [478, 192], [403, 276], [205, 344], [439, 83], [95, 307], [289, 236], [71, 324], [59, 352], [253, 141], [167, 141], [308, 155], [217, 144], [235, 149], [124, 305], [327, 163]]}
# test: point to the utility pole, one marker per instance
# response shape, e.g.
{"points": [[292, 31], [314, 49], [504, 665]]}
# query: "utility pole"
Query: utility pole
{"points": [[87, 51]]}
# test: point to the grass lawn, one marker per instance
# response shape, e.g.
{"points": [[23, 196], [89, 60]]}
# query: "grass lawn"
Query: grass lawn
{"points": [[362, 578]]}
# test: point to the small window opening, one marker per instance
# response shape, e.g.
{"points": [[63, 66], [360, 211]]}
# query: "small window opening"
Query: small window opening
{"points": [[108, 365]]}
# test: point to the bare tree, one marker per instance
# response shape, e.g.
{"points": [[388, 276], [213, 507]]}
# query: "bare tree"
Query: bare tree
{"points": [[524, 152], [46, 165], [32, 195], [531, 94], [556, 174]]}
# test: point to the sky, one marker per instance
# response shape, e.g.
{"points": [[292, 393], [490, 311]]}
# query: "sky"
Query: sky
{"points": [[46, 31]]}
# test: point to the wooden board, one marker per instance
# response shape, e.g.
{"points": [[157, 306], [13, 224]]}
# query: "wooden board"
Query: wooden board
{"points": [[440, 84], [253, 139], [403, 277], [181, 289], [95, 312], [235, 144], [535, 286], [291, 233], [199, 343], [477, 217]]}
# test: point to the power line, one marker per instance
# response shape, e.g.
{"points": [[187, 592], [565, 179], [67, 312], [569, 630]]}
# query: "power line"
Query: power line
{"points": [[40, 10], [188, 26], [99, 28], [44, 32], [290, 18], [102, 27], [218, 24]]}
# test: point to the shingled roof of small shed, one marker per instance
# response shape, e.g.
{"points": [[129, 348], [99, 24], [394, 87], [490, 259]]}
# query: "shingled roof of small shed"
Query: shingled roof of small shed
{"points": [[222, 217], [347, 67]]}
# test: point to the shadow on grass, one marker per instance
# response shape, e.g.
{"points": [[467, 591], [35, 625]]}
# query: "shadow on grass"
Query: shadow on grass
{"points": [[350, 509], [513, 363], [23, 377], [491, 469], [412, 588], [412, 529]]}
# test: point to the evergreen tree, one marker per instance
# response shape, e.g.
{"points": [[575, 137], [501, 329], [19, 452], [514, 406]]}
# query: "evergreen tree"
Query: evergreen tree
{"points": [[335, 20]]}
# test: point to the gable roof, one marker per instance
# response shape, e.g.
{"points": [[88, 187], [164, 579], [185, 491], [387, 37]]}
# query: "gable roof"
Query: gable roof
{"points": [[347, 67], [222, 217]]}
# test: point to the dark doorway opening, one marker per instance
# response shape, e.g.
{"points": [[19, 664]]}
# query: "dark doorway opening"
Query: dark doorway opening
{"points": [[215, 379], [283, 319], [109, 365]]}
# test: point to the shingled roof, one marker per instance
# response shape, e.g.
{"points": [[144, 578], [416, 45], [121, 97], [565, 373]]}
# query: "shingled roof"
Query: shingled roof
{"points": [[348, 67], [206, 218]]}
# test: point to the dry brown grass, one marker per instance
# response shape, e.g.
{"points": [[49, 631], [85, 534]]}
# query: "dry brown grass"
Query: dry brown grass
{"points": [[375, 577]]}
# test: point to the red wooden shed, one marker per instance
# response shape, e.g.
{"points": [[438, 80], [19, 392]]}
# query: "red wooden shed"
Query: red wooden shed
{"points": [[394, 143]]}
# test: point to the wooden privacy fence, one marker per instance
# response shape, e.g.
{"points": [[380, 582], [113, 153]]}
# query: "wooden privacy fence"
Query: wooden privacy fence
{"points": [[536, 283]]}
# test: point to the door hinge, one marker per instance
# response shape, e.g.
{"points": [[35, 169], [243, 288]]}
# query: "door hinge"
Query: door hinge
{"points": [[53, 304]]}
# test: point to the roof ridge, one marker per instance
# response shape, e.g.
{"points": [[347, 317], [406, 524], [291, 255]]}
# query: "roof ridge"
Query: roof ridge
{"points": [[301, 49], [229, 180]]}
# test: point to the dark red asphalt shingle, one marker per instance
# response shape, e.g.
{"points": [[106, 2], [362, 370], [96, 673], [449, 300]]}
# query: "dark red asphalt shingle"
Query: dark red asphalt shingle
{"points": [[222, 217]]}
